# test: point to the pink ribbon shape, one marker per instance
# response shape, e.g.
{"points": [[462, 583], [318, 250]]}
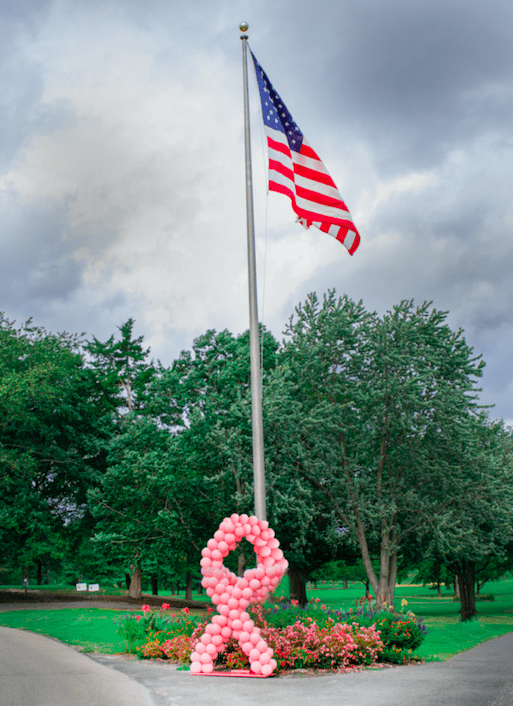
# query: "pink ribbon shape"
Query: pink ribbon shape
{"points": [[233, 594]]}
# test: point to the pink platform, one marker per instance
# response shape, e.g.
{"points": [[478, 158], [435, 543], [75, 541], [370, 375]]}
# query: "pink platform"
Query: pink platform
{"points": [[233, 673]]}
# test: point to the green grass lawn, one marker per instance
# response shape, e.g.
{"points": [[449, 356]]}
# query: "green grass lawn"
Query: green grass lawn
{"points": [[94, 629], [446, 634]]}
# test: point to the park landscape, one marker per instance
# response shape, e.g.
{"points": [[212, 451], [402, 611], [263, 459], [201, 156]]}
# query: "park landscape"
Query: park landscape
{"points": [[386, 479]]}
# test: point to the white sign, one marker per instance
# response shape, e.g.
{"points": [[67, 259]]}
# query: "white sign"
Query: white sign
{"points": [[81, 587], [94, 586]]}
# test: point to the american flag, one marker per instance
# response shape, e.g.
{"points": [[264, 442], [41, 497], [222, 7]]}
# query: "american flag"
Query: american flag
{"points": [[296, 170]]}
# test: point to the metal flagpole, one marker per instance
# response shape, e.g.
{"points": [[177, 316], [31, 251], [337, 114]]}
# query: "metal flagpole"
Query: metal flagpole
{"points": [[256, 378]]}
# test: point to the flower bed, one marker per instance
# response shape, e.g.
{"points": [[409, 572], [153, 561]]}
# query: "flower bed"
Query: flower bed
{"points": [[301, 638]]}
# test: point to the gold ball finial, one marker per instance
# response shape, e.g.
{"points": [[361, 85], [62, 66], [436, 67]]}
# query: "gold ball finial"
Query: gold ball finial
{"points": [[243, 26]]}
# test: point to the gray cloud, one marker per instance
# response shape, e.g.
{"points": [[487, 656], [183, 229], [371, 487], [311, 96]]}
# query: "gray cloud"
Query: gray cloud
{"points": [[121, 164]]}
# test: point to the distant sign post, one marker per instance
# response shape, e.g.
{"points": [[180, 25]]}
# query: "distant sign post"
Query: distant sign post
{"points": [[25, 586]]}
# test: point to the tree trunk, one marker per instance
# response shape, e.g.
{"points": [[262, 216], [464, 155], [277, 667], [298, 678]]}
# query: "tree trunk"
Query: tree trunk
{"points": [[297, 579], [39, 565], [241, 564], [135, 590], [200, 588], [188, 586], [344, 582], [127, 581], [154, 584], [466, 574]]}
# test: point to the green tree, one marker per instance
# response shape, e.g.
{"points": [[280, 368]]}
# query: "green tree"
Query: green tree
{"points": [[50, 443], [380, 400]]}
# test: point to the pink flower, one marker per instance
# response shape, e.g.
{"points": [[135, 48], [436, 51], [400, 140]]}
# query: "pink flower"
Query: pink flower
{"points": [[137, 617], [209, 610], [146, 609], [185, 610], [165, 606]]}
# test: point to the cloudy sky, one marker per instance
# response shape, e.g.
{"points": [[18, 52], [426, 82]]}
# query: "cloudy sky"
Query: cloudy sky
{"points": [[122, 164]]}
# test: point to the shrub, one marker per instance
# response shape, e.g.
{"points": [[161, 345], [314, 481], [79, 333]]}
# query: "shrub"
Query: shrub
{"points": [[310, 637]]}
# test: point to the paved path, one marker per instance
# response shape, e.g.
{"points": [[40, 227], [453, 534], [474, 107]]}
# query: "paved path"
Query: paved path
{"points": [[482, 676], [39, 671]]}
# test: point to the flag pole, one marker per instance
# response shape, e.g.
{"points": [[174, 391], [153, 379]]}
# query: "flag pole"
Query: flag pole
{"points": [[256, 377]]}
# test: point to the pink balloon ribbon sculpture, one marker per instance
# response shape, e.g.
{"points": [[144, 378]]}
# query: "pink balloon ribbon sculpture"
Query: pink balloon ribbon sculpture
{"points": [[233, 594]]}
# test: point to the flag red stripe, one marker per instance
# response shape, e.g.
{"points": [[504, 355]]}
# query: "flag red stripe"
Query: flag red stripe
{"points": [[321, 177], [281, 168], [316, 197], [278, 146]]}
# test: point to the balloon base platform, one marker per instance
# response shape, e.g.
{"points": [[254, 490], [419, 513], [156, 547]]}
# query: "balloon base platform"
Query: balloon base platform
{"points": [[233, 673]]}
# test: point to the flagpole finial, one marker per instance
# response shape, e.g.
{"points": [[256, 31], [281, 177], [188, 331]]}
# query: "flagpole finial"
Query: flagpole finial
{"points": [[243, 28]]}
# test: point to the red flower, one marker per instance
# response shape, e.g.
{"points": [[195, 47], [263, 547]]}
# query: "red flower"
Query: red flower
{"points": [[146, 609], [185, 610], [165, 606]]}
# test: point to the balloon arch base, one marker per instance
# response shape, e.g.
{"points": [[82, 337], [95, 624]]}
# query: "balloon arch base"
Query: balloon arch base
{"points": [[233, 673]]}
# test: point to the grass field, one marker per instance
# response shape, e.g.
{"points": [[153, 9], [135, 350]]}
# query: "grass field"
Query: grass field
{"points": [[94, 629]]}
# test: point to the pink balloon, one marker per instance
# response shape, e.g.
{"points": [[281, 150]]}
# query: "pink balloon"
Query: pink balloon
{"points": [[206, 638], [234, 517], [217, 640], [273, 664], [233, 614], [254, 655], [200, 648], [207, 668], [205, 658], [211, 650], [254, 584], [261, 646], [196, 667], [196, 657], [219, 535], [253, 520], [248, 626], [223, 548], [205, 561], [266, 670], [263, 551], [212, 544], [256, 667], [233, 603], [243, 603], [206, 552], [264, 658], [247, 647], [226, 631], [230, 538], [263, 524], [223, 609], [244, 636], [255, 636], [276, 554], [243, 519]]}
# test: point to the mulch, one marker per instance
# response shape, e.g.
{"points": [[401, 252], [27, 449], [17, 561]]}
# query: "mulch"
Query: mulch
{"points": [[17, 595]]}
